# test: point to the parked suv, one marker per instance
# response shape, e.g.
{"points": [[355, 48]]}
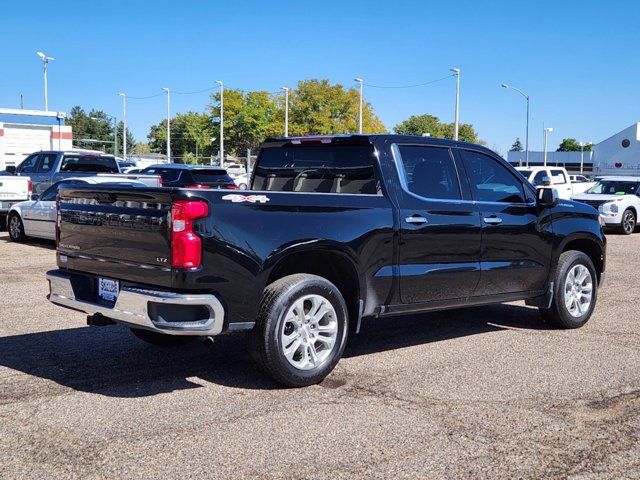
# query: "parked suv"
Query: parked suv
{"points": [[333, 230], [191, 176], [47, 167]]}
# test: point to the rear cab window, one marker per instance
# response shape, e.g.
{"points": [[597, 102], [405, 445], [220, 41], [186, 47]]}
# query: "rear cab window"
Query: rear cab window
{"points": [[89, 163], [348, 169], [558, 177]]}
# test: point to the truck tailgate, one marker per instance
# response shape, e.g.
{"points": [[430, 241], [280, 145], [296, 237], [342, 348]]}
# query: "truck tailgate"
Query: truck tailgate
{"points": [[14, 189], [118, 232]]}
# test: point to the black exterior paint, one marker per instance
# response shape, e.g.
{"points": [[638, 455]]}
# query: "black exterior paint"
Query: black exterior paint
{"points": [[453, 260]]}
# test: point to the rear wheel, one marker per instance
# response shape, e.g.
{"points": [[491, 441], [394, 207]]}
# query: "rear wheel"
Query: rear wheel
{"points": [[16, 228], [301, 330], [575, 291], [628, 222], [161, 339]]}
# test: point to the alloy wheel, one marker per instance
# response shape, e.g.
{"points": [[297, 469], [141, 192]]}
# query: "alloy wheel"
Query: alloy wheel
{"points": [[578, 290]]}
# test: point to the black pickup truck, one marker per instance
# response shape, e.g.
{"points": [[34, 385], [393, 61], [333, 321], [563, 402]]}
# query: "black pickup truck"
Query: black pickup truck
{"points": [[333, 230]]}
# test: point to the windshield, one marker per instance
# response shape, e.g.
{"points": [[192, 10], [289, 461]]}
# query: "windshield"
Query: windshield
{"points": [[614, 187]]}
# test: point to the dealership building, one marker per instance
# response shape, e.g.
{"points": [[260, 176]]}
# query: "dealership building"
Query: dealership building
{"points": [[23, 132], [617, 155]]}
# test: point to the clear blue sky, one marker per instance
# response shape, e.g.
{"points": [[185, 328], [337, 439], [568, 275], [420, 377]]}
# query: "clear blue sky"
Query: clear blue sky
{"points": [[577, 60]]}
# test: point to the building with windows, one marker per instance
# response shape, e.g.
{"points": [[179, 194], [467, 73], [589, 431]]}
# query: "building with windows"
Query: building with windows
{"points": [[23, 132]]}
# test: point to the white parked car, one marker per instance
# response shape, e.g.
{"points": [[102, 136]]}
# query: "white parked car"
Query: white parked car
{"points": [[37, 217], [580, 183], [616, 198], [235, 169], [242, 181], [558, 177]]}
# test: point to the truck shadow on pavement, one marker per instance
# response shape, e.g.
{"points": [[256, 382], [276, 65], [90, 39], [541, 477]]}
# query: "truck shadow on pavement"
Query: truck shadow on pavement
{"points": [[32, 241], [111, 361]]}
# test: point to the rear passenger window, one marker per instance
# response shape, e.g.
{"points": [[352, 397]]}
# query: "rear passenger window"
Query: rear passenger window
{"points": [[430, 172], [93, 164], [325, 169], [491, 181], [558, 176], [47, 160], [168, 174]]}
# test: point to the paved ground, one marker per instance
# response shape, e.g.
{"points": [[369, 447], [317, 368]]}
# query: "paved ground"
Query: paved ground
{"points": [[476, 393]]}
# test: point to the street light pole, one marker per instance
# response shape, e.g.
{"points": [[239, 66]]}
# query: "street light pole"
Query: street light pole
{"points": [[547, 131], [168, 92], [359, 80], [286, 111], [221, 122], [582, 145], [45, 61], [124, 125], [456, 72], [504, 85]]}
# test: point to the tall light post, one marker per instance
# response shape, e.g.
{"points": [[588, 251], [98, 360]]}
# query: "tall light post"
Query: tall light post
{"points": [[456, 72], [168, 92], [286, 111], [124, 125], [115, 131], [504, 85], [221, 122], [45, 61], [359, 80], [547, 131]]}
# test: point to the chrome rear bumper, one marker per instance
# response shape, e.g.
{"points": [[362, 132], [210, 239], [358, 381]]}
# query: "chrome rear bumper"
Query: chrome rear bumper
{"points": [[132, 307]]}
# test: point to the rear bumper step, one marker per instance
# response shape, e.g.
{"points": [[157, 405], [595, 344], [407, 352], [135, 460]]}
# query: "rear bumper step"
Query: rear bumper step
{"points": [[162, 312]]}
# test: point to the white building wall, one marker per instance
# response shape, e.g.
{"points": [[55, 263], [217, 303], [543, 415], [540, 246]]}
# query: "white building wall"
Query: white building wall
{"points": [[611, 156]]}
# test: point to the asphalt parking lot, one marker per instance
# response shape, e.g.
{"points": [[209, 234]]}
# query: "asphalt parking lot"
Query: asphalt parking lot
{"points": [[474, 393]]}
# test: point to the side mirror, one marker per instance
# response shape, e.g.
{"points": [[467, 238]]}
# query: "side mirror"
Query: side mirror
{"points": [[35, 196], [11, 169], [547, 197]]}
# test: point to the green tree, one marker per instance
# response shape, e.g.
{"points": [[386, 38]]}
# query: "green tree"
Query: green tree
{"points": [[318, 107], [572, 145], [190, 133], [517, 146], [131, 143], [93, 130], [426, 123], [249, 117]]}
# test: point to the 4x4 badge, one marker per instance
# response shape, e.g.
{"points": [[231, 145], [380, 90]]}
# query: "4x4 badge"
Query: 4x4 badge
{"points": [[236, 198]]}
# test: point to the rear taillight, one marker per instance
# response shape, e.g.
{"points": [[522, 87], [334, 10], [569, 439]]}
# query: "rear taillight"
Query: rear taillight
{"points": [[160, 181], [205, 187], [231, 186], [30, 188], [186, 246]]}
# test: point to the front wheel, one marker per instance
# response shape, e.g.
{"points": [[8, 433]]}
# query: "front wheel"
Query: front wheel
{"points": [[575, 291], [301, 330], [628, 222], [161, 339], [16, 228]]}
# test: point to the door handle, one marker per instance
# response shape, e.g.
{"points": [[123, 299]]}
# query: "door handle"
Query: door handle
{"points": [[416, 220], [492, 220]]}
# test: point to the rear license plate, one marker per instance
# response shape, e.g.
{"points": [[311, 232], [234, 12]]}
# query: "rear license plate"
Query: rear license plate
{"points": [[108, 289]]}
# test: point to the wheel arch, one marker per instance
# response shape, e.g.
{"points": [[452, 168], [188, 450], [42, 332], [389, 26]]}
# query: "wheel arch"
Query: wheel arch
{"points": [[338, 266], [591, 246]]}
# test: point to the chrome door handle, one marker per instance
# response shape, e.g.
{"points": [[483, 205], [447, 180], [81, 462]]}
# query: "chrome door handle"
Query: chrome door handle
{"points": [[492, 220], [416, 220]]}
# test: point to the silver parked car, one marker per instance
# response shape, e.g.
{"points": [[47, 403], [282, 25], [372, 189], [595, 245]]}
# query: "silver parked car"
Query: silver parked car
{"points": [[37, 217]]}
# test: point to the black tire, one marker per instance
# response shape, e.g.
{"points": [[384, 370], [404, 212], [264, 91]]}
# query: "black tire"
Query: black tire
{"points": [[16, 228], [265, 343], [629, 222], [559, 313], [161, 339]]}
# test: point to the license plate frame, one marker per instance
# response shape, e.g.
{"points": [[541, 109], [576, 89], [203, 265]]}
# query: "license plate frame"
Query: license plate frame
{"points": [[108, 289]]}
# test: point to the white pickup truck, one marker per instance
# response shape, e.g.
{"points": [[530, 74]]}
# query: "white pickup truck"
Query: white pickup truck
{"points": [[13, 190], [557, 175]]}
